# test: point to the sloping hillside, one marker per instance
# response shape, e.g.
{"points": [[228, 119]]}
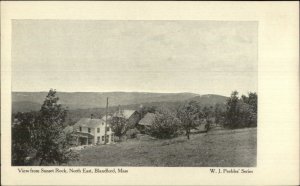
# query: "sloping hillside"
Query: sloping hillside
{"points": [[202, 150]]}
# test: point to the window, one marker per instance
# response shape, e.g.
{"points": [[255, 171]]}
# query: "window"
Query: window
{"points": [[107, 128], [102, 138], [80, 129], [98, 139], [98, 130], [89, 130]]}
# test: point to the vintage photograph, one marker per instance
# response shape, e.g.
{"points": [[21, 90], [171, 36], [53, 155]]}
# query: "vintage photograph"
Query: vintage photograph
{"points": [[134, 93]]}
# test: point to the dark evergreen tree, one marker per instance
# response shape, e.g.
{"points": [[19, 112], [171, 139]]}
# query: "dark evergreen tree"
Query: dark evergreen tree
{"points": [[52, 145], [23, 138]]}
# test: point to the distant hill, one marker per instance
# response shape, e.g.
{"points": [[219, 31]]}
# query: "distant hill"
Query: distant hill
{"points": [[27, 101], [25, 106], [84, 104], [210, 99], [75, 115]]}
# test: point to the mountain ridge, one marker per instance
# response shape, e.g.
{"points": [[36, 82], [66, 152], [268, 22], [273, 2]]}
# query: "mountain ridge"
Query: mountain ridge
{"points": [[31, 101], [82, 100]]}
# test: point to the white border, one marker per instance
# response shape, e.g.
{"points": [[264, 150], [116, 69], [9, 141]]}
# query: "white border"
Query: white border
{"points": [[278, 87]]}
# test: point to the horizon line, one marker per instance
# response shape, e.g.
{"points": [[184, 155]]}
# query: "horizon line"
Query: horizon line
{"points": [[128, 92], [111, 92]]}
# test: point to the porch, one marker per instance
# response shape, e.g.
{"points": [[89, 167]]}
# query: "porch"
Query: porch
{"points": [[84, 138]]}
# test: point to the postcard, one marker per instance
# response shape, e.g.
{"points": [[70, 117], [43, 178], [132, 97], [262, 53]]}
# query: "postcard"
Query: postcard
{"points": [[149, 93]]}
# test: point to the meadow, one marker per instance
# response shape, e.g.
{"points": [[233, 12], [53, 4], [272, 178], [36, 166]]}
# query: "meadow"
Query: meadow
{"points": [[217, 148]]}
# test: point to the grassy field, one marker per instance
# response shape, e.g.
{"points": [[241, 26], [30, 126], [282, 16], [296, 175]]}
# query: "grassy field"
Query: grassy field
{"points": [[223, 148]]}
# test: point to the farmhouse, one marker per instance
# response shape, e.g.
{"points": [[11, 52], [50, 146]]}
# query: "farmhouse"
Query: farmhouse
{"points": [[92, 131], [146, 121], [132, 117]]}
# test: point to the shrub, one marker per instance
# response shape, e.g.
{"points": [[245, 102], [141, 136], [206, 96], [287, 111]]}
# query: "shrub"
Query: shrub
{"points": [[118, 125], [132, 133], [164, 126]]}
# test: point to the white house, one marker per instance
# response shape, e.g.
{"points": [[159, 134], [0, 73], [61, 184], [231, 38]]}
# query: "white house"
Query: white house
{"points": [[92, 131]]}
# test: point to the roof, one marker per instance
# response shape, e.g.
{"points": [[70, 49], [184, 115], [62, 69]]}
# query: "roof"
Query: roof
{"points": [[69, 129], [128, 113], [88, 122], [124, 113], [81, 134], [104, 117], [148, 119]]}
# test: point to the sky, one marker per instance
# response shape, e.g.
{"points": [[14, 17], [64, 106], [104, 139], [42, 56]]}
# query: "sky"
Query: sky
{"points": [[204, 57]]}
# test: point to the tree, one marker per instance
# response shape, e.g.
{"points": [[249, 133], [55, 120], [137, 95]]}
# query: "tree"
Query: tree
{"points": [[219, 113], [232, 111], [165, 125], [23, 137], [250, 109], [241, 112], [119, 125], [247, 116], [208, 115], [190, 115], [52, 145], [251, 100], [40, 137]]}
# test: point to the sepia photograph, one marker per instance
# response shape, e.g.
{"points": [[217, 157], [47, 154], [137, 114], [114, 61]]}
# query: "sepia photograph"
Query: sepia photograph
{"points": [[134, 93], [149, 93]]}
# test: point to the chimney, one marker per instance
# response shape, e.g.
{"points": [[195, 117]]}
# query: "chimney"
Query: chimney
{"points": [[92, 116]]}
